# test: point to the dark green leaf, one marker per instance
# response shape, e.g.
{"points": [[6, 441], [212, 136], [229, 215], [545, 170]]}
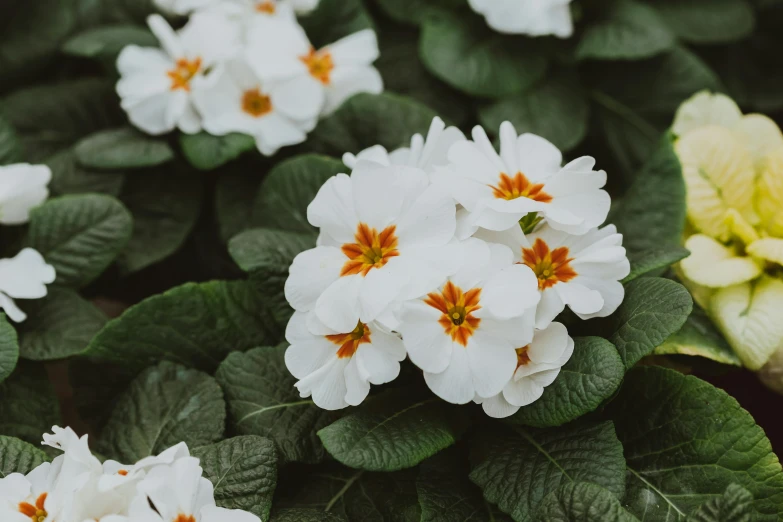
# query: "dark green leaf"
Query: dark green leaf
{"points": [[79, 235], [28, 404], [415, 12], [582, 502], [685, 442], [235, 196], [708, 21], [69, 177], [206, 152], [10, 151], [165, 405], [58, 326], [591, 376], [305, 515], [517, 469], [699, 336], [101, 12], [108, 41], [335, 19], [9, 348], [654, 260], [17, 456], [243, 471], [123, 148], [736, 505], [262, 401]]}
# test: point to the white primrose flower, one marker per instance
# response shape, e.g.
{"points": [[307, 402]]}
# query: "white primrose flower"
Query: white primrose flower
{"points": [[464, 334], [424, 153], [530, 17], [23, 276], [263, 7], [156, 85], [384, 232], [525, 181], [338, 368], [281, 51], [29, 497], [583, 272], [537, 366], [275, 114], [22, 187]]}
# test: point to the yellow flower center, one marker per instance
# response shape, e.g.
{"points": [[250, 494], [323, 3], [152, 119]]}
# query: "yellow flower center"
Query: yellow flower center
{"points": [[456, 309], [519, 186], [522, 356], [550, 267], [267, 7], [183, 72], [320, 65], [350, 342], [255, 103], [371, 250], [36, 512]]}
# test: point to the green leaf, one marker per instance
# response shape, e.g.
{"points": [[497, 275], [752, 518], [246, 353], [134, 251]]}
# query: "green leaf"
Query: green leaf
{"points": [[165, 204], [69, 177], [392, 431], [466, 54], [736, 505], [685, 442], [654, 260], [9, 348], [194, 324], [101, 12], [370, 119], [305, 515], [123, 148], [517, 469], [235, 196], [243, 471], [108, 41], [9, 143], [653, 309], [207, 152], [556, 108], [591, 376], [652, 212], [58, 326], [628, 30], [165, 405], [583, 502], [415, 12], [79, 235], [17, 456], [699, 336], [289, 188], [335, 19], [28, 404], [262, 401], [708, 21]]}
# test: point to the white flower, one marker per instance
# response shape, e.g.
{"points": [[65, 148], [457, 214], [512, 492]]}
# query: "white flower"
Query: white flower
{"points": [[183, 7], [338, 368], [23, 497], [526, 179], [275, 114], [22, 187], [537, 366], [530, 17], [423, 153], [24, 276], [262, 7], [156, 86], [583, 272], [281, 51], [383, 233], [464, 333]]}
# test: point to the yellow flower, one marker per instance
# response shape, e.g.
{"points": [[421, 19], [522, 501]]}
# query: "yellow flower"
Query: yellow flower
{"points": [[733, 170]]}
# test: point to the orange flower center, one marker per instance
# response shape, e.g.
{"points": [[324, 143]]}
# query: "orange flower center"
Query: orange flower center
{"points": [[255, 103], [350, 342], [183, 72], [519, 187], [184, 518], [522, 357], [36, 512], [123, 473], [457, 309], [266, 7], [320, 64], [550, 267], [371, 250]]}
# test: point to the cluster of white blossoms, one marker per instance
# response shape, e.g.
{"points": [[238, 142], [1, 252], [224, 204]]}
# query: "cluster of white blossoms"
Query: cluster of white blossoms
{"points": [[25, 275], [529, 17], [76, 487], [458, 257], [242, 66]]}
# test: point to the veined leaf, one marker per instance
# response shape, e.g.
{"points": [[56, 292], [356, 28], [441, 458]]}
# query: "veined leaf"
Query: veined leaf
{"points": [[206, 152], [585, 502], [122, 148], [736, 505], [708, 21], [9, 348], [17, 456], [654, 260], [699, 336], [28, 404]]}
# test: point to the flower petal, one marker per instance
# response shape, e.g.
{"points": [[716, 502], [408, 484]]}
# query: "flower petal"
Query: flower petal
{"points": [[310, 274], [492, 362], [703, 109], [25, 275], [715, 266], [455, 383], [768, 249], [332, 209], [428, 345], [338, 307]]}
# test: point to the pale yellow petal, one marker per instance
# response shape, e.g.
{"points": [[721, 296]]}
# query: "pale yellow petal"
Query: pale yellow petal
{"points": [[760, 135], [705, 108], [715, 266], [701, 294], [768, 249], [772, 372], [740, 228], [719, 175], [749, 317], [769, 193]]}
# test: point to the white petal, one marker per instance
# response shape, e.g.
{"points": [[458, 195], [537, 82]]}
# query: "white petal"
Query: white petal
{"points": [[612, 292], [360, 48], [347, 81], [376, 364], [376, 153], [522, 392], [428, 345], [549, 307], [166, 36], [538, 158], [332, 209], [26, 275], [455, 383], [217, 514], [498, 407], [338, 306], [377, 196], [327, 385], [549, 345], [380, 288], [275, 131], [22, 187], [305, 357], [510, 292], [300, 98], [356, 386], [430, 220], [311, 273], [492, 362], [579, 298]]}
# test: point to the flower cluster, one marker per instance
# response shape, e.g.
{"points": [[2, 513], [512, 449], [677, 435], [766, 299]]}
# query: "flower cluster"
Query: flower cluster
{"points": [[733, 169], [458, 257], [76, 487], [242, 66], [26, 275], [530, 17]]}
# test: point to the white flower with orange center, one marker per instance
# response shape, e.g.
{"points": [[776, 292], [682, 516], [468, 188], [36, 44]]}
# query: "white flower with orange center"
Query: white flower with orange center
{"points": [[282, 52], [536, 367], [23, 276], [156, 85], [244, 7], [464, 333], [337, 369], [22, 187], [530, 17], [384, 232], [525, 182], [425, 153], [26, 498], [583, 272], [275, 114]]}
